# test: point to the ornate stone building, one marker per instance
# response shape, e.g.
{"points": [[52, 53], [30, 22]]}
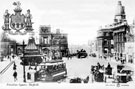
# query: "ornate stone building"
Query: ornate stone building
{"points": [[105, 42], [113, 37], [120, 30], [51, 43]]}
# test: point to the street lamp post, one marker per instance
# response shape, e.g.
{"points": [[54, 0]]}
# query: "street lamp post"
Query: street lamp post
{"points": [[60, 54], [24, 77]]}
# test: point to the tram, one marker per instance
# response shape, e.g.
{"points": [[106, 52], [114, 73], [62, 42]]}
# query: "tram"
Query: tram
{"points": [[52, 71]]}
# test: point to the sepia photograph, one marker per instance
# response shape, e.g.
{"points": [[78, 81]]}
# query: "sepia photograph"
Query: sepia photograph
{"points": [[84, 44]]}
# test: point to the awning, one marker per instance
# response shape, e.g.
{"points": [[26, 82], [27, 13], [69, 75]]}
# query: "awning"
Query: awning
{"points": [[54, 61]]}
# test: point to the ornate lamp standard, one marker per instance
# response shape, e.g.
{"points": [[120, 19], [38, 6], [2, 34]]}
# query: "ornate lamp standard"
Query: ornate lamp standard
{"points": [[24, 77]]}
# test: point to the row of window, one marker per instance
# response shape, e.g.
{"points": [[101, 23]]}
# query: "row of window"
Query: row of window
{"points": [[53, 68], [45, 40]]}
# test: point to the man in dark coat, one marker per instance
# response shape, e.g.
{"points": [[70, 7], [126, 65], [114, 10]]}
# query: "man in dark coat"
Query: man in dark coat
{"points": [[98, 65], [15, 76], [14, 67], [109, 69]]}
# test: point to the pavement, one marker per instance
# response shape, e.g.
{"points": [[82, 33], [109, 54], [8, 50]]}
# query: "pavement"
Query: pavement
{"points": [[4, 64], [7, 76]]}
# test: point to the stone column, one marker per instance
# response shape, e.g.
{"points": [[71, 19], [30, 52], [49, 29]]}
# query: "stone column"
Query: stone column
{"points": [[122, 37], [116, 45], [114, 38]]}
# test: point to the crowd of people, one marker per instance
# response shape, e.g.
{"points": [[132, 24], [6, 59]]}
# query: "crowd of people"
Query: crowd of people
{"points": [[10, 57]]}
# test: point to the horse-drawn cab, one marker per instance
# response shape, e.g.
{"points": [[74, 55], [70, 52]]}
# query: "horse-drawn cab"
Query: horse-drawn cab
{"points": [[124, 74], [76, 80], [82, 54]]}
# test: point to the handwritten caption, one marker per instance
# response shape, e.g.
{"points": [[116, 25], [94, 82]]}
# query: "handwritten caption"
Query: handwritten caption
{"points": [[23, 84]]}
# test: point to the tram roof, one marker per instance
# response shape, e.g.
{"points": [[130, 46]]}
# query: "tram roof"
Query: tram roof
{"points": [[33, 55], [52, 62]]}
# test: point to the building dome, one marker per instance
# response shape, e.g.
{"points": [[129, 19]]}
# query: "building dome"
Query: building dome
{"points": [[120, 10]]}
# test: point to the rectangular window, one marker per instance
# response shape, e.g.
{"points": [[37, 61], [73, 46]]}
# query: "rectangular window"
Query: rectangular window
{"points": [[45, 40]]}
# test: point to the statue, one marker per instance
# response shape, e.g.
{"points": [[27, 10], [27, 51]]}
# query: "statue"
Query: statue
{"points": [[6, 16], [28, 18], [6, 19]]}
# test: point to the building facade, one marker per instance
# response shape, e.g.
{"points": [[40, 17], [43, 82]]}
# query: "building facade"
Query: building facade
{"points": [[7, 46], [120, 30], [112, 37], [105, 42], [51, 43], [130, 45]]}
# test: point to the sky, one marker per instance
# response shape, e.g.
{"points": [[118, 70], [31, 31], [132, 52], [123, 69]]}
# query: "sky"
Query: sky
{"points": [[80, 19]]}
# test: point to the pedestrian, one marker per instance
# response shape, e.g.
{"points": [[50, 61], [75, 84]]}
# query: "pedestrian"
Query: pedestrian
{"points": [[15, 76], [9, 57], [13, 56], [109, 66], [86, 80], [14, 67], [28, 76], [98, 65]]}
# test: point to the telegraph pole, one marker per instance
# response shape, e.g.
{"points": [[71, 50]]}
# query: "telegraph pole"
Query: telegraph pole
{"points": [[24, 77]]}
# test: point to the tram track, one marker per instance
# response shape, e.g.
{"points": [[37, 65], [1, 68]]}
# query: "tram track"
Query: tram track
{"points": [[6, 68]]}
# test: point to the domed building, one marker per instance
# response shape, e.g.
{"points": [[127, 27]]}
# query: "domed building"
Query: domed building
{"points": [[111, 43]]}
